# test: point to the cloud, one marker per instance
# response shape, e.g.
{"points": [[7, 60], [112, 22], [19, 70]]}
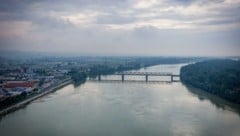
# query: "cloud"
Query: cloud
{"points": [[145, 4], [125, 14], [106, 25]]}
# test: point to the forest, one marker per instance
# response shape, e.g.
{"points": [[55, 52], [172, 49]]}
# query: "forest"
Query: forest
{"points": [[220, 77]]}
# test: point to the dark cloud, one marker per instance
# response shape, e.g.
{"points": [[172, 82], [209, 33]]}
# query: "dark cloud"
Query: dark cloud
{"points": [[21, 5], [115, 19], [13, 5], [183, 2]]}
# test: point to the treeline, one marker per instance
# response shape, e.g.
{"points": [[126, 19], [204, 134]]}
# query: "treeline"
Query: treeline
{"points": [[108, 69], [77, 76], [219, 77], [12, 100]]}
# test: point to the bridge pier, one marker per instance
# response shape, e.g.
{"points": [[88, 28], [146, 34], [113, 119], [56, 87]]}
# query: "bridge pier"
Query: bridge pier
{"points": [[146, 77], [99, 77], [122, 77]]}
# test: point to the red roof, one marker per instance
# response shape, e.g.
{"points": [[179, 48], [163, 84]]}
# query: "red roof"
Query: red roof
{"points": [[19, 84]]}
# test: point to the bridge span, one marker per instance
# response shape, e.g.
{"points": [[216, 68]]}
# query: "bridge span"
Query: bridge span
{"points": [[146, 74]]}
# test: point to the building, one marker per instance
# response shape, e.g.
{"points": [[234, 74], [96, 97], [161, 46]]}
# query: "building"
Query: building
{"points": [[23, 84], [19, 87]]}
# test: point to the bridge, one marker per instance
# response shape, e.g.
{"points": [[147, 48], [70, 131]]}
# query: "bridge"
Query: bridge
{"points": [[146, 74]]}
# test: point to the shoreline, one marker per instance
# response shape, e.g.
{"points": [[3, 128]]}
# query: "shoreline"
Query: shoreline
{"points": [[21, 104], [214, 99]]}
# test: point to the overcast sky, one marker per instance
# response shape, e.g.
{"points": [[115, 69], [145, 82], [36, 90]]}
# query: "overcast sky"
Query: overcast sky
{"points": [[122, 27]]}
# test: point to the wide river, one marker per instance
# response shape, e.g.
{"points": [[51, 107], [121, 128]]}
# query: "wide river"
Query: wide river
{"points": [[111, 108]]}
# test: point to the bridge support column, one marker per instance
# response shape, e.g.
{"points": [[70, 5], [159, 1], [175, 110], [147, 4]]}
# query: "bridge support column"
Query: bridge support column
{"points": [[146, 77], [122, 77], [99, 77], [171, 78]]}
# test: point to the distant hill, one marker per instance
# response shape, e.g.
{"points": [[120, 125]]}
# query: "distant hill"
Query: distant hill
{"points": [[219, 77]]}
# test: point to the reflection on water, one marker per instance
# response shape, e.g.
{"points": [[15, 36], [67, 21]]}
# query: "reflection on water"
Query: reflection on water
{"points": [[216, 101], [125, 109]]}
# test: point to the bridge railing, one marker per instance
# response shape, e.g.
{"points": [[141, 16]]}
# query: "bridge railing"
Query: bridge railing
{"points": [[144, 73]]}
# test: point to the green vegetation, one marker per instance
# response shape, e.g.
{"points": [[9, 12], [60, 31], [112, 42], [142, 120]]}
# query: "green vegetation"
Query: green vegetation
{"points": [[78, 76], [12, 100], [219, 77], [108, 69]]}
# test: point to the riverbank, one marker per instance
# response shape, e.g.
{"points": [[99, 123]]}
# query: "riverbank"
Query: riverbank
{"points": [[44, 92], [218, 77]]}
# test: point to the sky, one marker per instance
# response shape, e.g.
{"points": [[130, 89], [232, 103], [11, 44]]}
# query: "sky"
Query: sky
{"points": [[122, 27]]}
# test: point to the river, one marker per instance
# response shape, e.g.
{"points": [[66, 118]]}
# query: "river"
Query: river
{"points": [[126, 109]]}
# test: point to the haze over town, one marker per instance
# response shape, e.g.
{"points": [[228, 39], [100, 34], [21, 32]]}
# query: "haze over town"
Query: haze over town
{"points": [[126, 27]]}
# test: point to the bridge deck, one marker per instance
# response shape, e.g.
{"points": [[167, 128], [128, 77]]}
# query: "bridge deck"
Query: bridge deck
{"points": [[146, 73]]}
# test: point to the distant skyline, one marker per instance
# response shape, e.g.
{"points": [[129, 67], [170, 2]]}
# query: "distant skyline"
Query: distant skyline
{"points": [[121, 27]]}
